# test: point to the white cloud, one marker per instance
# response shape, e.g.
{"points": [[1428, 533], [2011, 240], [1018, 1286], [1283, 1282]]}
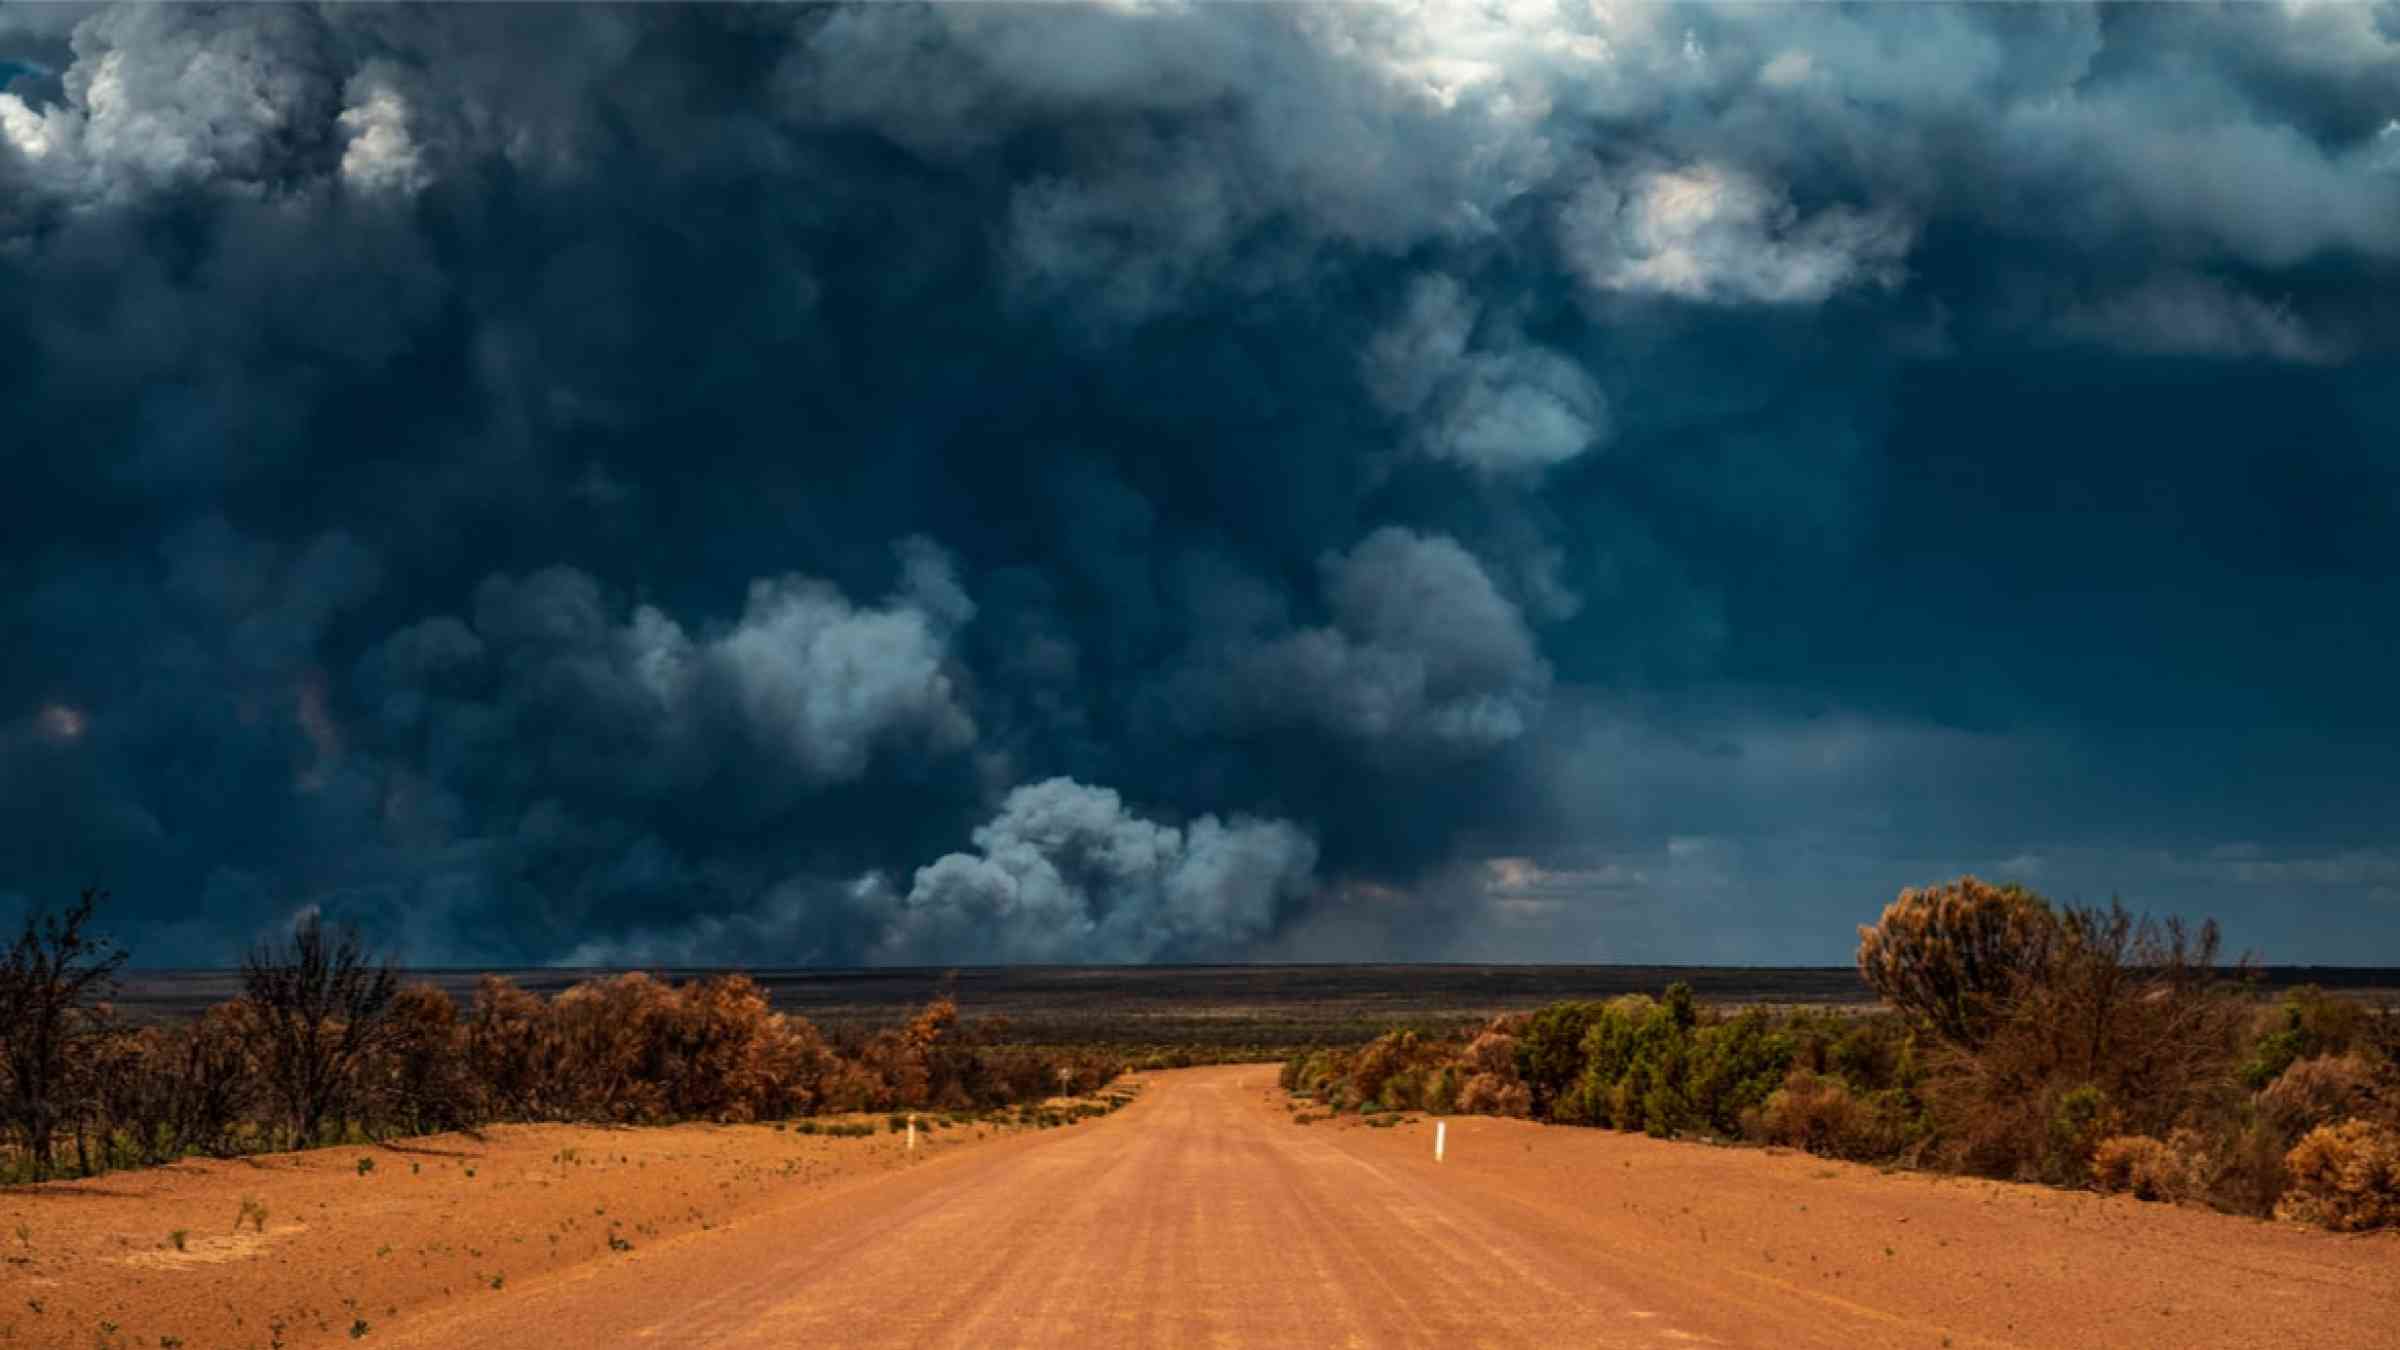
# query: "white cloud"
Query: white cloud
{"points": [[380, 157], [1788, 68], [1714, 234]]}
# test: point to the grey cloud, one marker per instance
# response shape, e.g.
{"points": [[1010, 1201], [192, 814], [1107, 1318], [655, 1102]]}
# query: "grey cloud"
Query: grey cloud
{"points": [[1252, 365], [800, 921], [1283, 118], [833, 680], [162, 96], [1423, 652], [2143, 161], [804, 680], [1490, 400], [2187, 315]]}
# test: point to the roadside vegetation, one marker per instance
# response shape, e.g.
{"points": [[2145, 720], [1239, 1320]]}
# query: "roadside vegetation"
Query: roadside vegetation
{"points": [[326, 1046], [2076, 1046]]}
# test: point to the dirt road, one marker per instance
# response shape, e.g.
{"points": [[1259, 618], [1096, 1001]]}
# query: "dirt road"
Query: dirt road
{"points": [[1204, 1216]]}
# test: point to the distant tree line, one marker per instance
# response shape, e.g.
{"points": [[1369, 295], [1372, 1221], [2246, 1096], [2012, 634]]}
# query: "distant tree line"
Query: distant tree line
{"points": [[2071, 1045], [326, 1045]]}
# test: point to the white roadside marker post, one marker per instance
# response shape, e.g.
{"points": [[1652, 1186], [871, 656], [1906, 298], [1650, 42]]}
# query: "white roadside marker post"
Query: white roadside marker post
{"points": [[1441, 1135], [912, 1134]]}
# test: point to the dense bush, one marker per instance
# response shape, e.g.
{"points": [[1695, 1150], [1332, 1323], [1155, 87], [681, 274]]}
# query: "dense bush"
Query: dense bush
{"points": [[326, 1046], [1665, 1066], [1491, 1085], [1956, 955], [1821, 1114], [2306, 1023], [422, 1080], [2073, 1045], [2052, 1029], [1670, 1068], [1550, 1051], [2321, 1091], [2345, 1177], [2152, 1169]]}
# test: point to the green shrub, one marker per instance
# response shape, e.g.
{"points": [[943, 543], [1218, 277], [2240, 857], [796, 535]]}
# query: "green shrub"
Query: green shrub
{"points": [[1733, 1067], [2076, 1125], [1441, 1090], [1667, 1068], [1550, 1051], [2307, 1023]]}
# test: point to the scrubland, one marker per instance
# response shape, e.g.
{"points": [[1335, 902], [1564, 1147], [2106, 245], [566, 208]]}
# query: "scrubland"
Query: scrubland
{"points": [[2019, 1040], [2015, 1039], [325, 1048]]}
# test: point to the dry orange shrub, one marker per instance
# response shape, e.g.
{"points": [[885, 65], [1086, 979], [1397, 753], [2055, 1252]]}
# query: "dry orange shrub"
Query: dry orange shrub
{"points": [[420, 1081], [2152, 1169], [1956, 954], [631, 1048], [511, 1048], [2345, 1177], [2319, 1091], [1493, 1086], [1819, 1113]]}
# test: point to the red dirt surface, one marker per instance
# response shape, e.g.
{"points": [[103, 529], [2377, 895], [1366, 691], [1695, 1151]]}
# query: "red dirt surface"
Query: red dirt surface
{"points": [[1201, 1215], [94, 1263]]}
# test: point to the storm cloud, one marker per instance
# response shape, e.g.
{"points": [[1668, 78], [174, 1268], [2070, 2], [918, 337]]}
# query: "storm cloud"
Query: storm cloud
{"points": [[937, 484]]}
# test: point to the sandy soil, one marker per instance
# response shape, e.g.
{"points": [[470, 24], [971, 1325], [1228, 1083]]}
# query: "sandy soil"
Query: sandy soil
{"points": [[1201, 1215], [443, 1219]]}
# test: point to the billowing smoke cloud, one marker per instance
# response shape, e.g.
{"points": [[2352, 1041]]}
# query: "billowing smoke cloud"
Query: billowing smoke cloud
{"points": [[1503, 404], [1066, 873], [455, 456], [1422, 652], [802, 689]]}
